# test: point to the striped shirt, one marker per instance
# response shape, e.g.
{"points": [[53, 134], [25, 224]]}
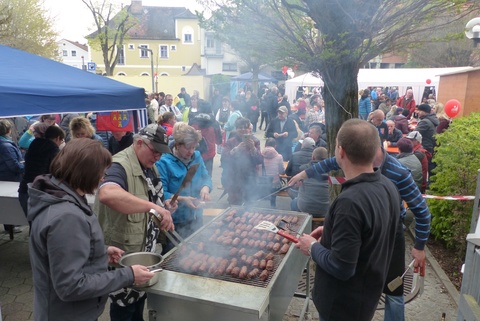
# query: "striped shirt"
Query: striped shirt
{"points": [[405, 184]]}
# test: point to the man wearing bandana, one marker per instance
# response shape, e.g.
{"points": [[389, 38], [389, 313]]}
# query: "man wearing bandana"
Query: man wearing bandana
{"points": [[131, 188]]}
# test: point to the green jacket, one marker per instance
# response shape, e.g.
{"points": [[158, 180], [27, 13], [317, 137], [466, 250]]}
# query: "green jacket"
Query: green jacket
{"points": [[126, 231]]}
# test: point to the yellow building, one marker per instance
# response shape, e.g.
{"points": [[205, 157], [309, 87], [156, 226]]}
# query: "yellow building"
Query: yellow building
{"points": [[167, 36]]}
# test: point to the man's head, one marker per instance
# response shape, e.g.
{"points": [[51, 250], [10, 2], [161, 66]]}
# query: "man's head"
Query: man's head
{"points": [[315, 131], [391, 126], [405, 145], [282, 113], [377, 117], [182, 90], [423, 110], [149, 144], [409, 94], [319, 154], [243, 126], [118, 135], [415, 137], [308, 143], [168, 100], [358, 141]]}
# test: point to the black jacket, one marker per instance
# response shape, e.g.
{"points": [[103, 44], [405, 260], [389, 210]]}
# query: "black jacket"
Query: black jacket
{"points": [[115, 146]]}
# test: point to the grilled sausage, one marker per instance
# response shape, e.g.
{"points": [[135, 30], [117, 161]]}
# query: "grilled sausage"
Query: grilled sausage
{"points": [[235, 272], [241, 251], [263, 244], [277, 238], [264, 275], [243, 272], [249, 260], [244, 234], [270, 265], [227, 241], [253, 274], [263, 264], [255, 263], [196, 266], [244, 242], [285, 241], [203, 267], [294, 220], [251, 243], [270, 245], [257, 243], [284, 248], [233, 263], [270, 236], [236, 241], [232, 225], [233, 251], [276, 247], [244, 258], [221, 267], [251, 234], [269, 256], [259, 255]]}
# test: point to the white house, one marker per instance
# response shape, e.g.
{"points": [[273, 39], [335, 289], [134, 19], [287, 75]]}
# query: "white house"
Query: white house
{"points": [[73, 53]]}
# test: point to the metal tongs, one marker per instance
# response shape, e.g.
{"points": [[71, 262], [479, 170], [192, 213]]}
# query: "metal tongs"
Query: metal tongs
{"points": [[174, 237]]}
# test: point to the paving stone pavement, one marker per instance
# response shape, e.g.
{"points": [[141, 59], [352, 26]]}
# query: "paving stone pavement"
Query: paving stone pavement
{"points": [[16, 288]]}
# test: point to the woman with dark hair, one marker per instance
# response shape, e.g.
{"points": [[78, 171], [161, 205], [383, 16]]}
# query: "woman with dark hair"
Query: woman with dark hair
{"points": [[38, 158], [253, 109], [70, 273], [32, 133]]}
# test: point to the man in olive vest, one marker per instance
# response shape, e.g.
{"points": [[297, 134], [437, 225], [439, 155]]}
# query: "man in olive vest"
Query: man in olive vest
{"points": [[131, 188]]}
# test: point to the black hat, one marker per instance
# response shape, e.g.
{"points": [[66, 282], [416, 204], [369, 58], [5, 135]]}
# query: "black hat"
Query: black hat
{"points": [[425, 107], [157, 136]]}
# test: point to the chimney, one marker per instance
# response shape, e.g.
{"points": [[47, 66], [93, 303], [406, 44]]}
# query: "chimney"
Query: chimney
{"points": [[136, 7]]}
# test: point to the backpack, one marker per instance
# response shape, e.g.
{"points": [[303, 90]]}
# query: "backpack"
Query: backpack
{"points": [[223, 116]]}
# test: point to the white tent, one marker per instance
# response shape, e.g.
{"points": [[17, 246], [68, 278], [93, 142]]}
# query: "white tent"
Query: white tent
{"points": [[305, 80], [417, 78]]}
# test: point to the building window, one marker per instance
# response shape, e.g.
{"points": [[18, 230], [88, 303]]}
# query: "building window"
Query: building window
{"points": [[229, 66], [121, 74], [210, 43], [121, 57], [131, 46], [65, 53], [163, 74], [163, 51], [74, 53], [143, 52], [145, 74], [173, 47], [187, 35]]}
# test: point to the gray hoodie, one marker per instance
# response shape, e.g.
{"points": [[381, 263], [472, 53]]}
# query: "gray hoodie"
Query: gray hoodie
{"points": [[68, 255]]}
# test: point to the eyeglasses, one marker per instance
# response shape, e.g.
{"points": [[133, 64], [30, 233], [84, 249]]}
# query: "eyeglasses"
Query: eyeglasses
{"points": [[154, 152]]}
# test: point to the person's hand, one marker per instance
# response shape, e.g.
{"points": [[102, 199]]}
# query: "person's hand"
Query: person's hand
{"points": [[167, 221], [297, 180], [419, 256], [285, 134], [304, 242], [276, 135], [190, 201], [317, 233], [171, 206], [114, 254], [141, 274], [31, 129], [205, 194]]}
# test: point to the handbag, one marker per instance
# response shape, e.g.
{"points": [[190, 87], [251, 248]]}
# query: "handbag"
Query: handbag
{"points": [[264, 184]]}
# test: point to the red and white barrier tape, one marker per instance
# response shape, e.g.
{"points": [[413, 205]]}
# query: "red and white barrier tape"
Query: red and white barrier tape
{"points": [[339, 180]]}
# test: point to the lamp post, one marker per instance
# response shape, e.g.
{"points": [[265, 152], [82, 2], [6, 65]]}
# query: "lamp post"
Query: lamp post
{"points": [[151, 61]]}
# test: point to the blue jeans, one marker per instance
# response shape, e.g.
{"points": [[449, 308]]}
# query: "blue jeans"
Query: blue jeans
{"points": [[132, 312], [394, 308]]}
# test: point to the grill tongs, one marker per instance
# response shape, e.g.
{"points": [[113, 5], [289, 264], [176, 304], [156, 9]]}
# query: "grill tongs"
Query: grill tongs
{"points": [[269, 226], [174, 237]]}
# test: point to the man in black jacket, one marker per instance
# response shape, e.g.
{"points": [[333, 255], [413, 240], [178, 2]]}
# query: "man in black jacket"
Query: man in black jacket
{"points": [[284, 131]]}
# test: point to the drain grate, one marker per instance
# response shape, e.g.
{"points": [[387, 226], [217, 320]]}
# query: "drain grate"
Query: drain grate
{"points": [[409, 292]]}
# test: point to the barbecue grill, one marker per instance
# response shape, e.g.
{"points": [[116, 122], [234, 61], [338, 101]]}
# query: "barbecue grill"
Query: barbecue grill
{"points": [[185, 293]]}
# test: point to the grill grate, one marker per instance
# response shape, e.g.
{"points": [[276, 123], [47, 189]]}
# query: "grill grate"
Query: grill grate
{"points": [[216, 238]]}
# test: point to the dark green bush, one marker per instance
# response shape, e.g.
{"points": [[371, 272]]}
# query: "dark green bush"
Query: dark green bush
{"points": [[458, 161]]}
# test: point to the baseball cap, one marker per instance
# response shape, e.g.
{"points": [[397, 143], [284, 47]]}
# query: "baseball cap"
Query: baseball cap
{"points": [[282, 109], [415, 135], [157, 136], [308, 142]]}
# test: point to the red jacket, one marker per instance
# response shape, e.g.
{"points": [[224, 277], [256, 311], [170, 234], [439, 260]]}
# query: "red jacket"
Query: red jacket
{"points": [[422, 155], [411, 105]]}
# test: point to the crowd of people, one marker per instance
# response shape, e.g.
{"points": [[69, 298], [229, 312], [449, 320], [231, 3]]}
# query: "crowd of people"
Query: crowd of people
{"points": [[137, 172]]}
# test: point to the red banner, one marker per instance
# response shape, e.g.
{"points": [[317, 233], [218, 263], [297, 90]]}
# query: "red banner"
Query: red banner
{"points": [[115, 121]]}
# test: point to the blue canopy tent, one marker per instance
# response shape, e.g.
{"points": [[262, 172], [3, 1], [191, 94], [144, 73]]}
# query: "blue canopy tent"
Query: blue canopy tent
{"points": [[241, 80], [33, 85]]}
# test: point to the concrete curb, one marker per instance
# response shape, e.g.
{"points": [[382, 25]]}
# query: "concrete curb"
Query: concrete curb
{"points": [[451, 289]]}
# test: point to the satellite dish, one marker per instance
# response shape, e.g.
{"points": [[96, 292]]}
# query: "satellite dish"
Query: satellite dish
{"points": [[472, 29]]}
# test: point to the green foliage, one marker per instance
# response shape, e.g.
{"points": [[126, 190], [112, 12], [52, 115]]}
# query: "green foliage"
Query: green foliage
{"points": [[28, 27], [456, 174]]}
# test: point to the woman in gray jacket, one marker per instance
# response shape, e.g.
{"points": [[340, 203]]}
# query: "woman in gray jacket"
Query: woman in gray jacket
{"points": [[67, 251]]}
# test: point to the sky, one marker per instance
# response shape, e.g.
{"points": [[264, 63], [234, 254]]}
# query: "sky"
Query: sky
{"points": [[73, 20]]}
